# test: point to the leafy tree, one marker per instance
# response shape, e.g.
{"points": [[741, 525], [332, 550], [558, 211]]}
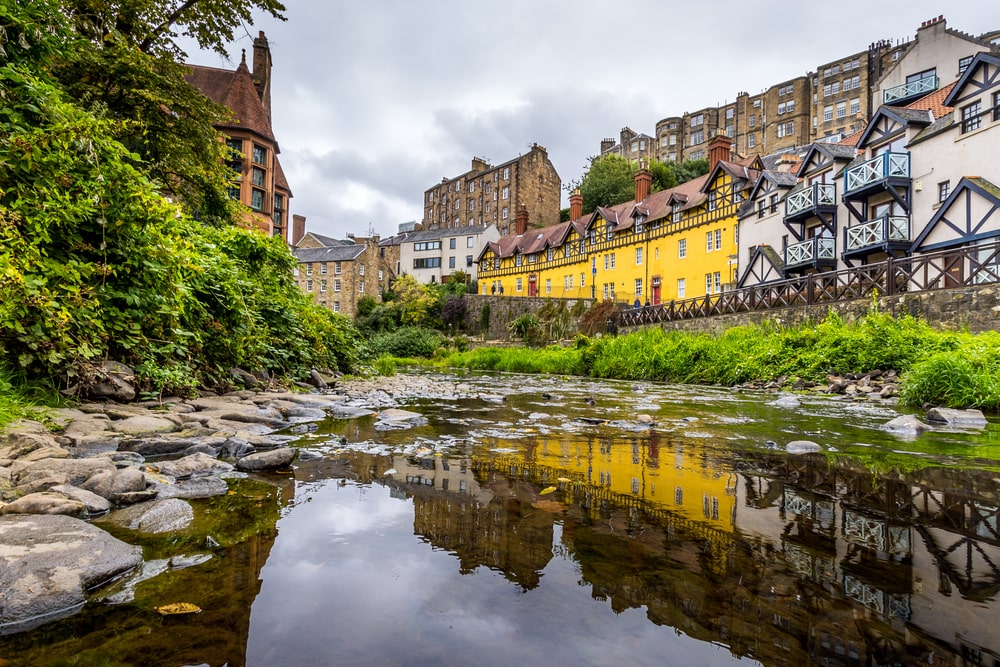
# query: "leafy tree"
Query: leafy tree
{"points": [[610, 179], [416, 302], [95, 263]]}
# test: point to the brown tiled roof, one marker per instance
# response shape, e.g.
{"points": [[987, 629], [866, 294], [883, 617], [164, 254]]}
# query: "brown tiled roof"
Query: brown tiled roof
{"points": [[280, 181], [851, 139], [934, 102], [235, 90]]}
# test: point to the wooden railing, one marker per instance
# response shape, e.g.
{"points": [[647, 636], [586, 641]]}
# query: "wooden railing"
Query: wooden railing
{"points": [[957, 267], [874, 232], [876, 169], [817, 194], [909, 89]]}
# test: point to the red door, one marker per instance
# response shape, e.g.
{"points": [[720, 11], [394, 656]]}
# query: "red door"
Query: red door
{"points": [[656, 291], [532, 286]]}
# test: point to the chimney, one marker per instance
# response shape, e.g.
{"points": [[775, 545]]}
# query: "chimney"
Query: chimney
{"points": [[262, 71], [479, 164], [718, 150], [575, 205], [643, 182], [606, 145], [521, 220], [298, 228]]}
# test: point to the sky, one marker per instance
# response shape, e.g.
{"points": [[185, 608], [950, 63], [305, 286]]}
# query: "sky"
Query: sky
{"points": [[375, 102]]}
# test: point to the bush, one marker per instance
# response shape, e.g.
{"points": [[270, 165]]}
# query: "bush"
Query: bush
{"points": [[385, 365], [408, 342]]}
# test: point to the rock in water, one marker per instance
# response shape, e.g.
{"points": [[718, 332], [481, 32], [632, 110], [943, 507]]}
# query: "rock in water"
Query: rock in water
{"points": [[270, 460], [906, 425], [962, 418], [159, 516], [802, 447], [47, 563]]}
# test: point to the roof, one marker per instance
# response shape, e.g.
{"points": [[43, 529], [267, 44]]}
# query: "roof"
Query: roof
{"points": [[934, 102], [279, 177], [236, 91], [335, 253], [329, 240], [968, 75], [434, 234]]}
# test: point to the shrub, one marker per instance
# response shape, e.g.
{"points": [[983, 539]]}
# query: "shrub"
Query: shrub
{"points": [[385, 365], [407, 342]]}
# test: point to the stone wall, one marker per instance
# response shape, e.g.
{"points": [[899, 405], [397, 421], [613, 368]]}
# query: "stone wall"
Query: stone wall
{"points": [[504, 309], [973, 308]]}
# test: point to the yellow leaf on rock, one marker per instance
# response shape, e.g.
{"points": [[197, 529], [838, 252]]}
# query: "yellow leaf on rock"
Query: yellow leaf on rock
{"points": [[549, 489], [179, 608]]}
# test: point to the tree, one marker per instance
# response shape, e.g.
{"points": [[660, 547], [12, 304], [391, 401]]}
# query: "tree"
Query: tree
{"points": [[416, 302], [610, 179], [130, 68]]}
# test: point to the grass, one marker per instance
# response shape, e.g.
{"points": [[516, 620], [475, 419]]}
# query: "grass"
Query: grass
{"points": [[19, 400]]}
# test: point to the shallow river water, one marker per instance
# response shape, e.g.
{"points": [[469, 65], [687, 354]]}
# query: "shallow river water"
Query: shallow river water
{"points": [[553, 527]]}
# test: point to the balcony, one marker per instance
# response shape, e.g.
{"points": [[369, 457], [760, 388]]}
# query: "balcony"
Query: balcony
{"points": [[878, 173], [910, 90], [889, 233], [809, 202], [816, 253]]}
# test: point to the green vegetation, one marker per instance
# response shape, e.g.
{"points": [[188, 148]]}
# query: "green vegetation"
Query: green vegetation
{"points": [[953, 369], [610, 179], [96, 261]]}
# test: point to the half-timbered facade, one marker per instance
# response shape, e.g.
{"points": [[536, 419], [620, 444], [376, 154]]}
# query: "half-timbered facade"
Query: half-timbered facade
{"points": [[672, 244]]}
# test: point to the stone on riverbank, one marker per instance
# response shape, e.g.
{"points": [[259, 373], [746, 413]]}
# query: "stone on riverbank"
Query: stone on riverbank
{"points": [[158, 516], [195, 465], [47, 563], [45, 502], [114, 484], [196, 487], [270, 460]]}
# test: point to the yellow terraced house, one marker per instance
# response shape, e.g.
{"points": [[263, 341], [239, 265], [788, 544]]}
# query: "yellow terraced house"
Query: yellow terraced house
{"points": [[679, 243]]}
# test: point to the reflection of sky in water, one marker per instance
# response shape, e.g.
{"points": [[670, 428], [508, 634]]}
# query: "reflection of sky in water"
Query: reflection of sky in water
{"points": [[367, 591]]}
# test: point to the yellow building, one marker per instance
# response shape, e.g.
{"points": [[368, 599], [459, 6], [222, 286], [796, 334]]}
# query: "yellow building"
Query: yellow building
{"points": [[679, 243]]}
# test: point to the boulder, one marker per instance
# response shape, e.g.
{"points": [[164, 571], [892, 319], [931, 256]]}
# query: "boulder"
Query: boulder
{"points": [[94, 503], [195, 465], [45, 502], [76, 470], [112, 484], [196, 487], [802, 447], [905, 425], [961, 418], [115, 384], [270, 460], [143, 424], [316, 380], [244, 378], [158, 516], [48, 563], [787, 401]]}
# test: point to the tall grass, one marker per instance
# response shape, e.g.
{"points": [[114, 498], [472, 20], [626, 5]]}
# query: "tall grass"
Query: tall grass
{"points": [[953, 369], [18, 399]]}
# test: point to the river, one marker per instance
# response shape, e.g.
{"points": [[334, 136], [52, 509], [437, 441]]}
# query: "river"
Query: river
{"points": [[555, 527]]}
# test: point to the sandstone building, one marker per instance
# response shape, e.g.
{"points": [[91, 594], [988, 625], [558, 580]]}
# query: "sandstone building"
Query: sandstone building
{"points": [[338, 272], [491, 195]]}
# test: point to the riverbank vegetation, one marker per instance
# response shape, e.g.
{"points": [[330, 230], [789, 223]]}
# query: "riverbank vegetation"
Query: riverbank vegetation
{"points": [[953, 369], [118, 239]]}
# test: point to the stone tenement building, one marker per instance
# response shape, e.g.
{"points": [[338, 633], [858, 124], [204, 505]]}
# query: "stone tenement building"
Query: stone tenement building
{"points": [[834, 101], [338, 272], [261, 184], [491, 195]]}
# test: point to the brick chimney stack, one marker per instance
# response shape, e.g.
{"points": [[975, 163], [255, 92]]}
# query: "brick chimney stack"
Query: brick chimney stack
{"points": [[262, 71], [643, 182], [575, 205], [521, 220], [719, 149], [298, 228]]}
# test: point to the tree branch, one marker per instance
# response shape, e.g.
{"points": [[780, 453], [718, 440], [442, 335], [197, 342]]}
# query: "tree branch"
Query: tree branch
{"points": [[165, 25]]}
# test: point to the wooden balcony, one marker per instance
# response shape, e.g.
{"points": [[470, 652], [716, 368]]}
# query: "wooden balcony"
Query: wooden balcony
{"points": [[910, 90], [811, 202], [819, 253], [889, 234], [879, 173]]}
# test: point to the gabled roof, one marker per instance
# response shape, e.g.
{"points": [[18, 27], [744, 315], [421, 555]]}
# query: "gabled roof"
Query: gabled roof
{"points": [[741, 170], [336, 253], [968, 77], [833, 152], [964, 227], [329, 240], [934, 101], [901, 115], [235, 90]]}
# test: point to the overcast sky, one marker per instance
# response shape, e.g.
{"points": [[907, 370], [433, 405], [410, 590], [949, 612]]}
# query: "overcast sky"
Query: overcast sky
{"points": [[374, 102]]}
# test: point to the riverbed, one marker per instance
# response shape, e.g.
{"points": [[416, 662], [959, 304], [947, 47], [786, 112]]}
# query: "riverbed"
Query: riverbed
{"points": [[564, 521]]}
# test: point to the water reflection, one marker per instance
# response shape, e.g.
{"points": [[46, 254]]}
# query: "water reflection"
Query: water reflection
{"points": [[510, 533]]}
